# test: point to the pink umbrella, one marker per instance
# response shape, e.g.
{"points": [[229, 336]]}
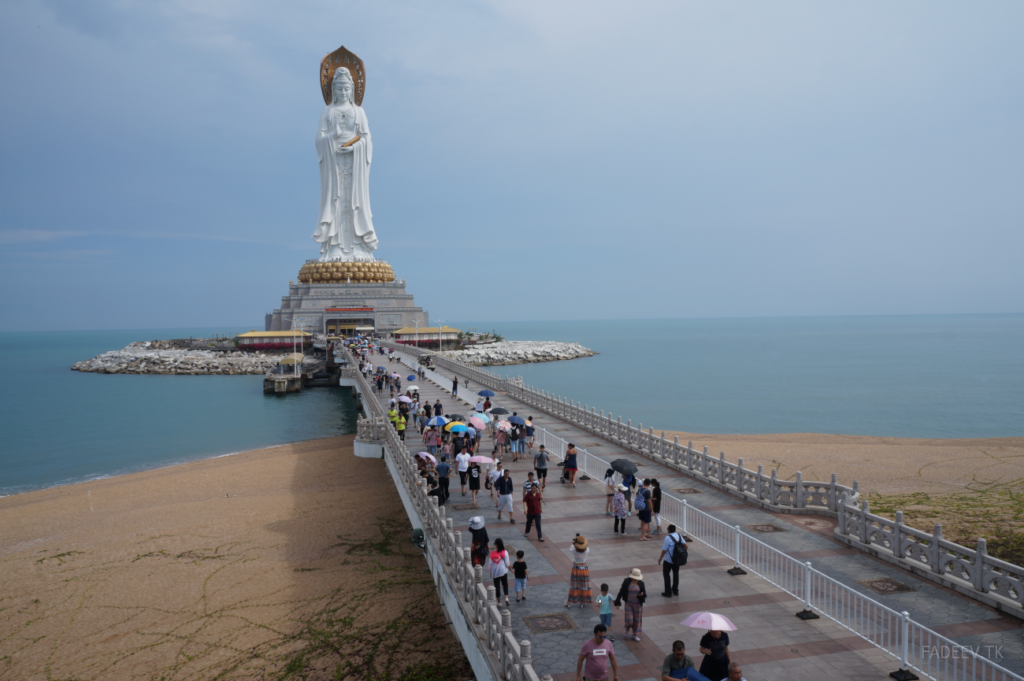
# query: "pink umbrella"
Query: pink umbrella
{"points": [[503, 425], [481, 459], [395, 376], [709, 620], [403, 398], [431, 458], [476, 423]]}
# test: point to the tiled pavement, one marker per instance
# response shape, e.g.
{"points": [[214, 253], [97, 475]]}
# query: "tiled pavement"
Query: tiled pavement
{"points": [[770, 642]]}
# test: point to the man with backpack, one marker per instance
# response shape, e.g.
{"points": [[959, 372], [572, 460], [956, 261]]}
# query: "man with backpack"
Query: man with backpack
{"points": [[674, 554]]}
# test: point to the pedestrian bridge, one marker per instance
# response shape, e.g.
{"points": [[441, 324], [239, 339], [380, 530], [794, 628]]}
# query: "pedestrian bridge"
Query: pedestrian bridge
{"points": [[774, 556]]}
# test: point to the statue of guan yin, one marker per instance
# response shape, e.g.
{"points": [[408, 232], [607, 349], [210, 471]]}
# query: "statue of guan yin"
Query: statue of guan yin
{"points": [[344, 229]]}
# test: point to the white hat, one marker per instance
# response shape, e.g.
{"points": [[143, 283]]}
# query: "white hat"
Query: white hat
{"points": [[476, 522], [622, 488], [636, 574]]}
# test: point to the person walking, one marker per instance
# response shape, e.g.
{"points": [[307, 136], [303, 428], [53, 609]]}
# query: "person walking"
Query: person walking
{"points": [[474, 479], [400, 424], [438, 408], [619, 509], [432, 440], [532, 502], [540, 465], [643, 510], [531, 434], [677, 660], [492, 477], [455, 386], [633, 593], [443, 469], [498, 566], [478, 543], [604, 602], [595, 656], [715, 647], [504, 487], [462, 463], [393, 416], [521, 572], [656, 504], [579, 578], [673, 556], [570, 464], [609, 490]]}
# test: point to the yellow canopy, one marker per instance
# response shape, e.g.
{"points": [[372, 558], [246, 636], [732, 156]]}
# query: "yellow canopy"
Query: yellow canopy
{"points": [[293, 358]]}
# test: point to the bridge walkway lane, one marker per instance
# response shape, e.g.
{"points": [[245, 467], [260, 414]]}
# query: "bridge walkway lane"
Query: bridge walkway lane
{"points": [[771, 643]]}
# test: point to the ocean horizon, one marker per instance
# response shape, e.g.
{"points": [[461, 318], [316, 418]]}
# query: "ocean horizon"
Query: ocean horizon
{"points": [[915, 376]]}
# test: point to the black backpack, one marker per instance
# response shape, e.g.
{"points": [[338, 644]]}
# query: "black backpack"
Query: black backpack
{"points": [[680, 553]]}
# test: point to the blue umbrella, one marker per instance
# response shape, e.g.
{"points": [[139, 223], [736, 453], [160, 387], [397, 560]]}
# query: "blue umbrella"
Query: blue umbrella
{"points": [[411, 377], [437, 421], [458, 428], [485, 393], [518, 420]]}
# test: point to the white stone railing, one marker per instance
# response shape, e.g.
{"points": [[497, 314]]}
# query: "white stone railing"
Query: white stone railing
{"points": [[507, 658], [970, 571]]}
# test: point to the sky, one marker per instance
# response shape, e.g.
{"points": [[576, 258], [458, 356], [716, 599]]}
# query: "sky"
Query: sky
{"points": [[532, 160]]}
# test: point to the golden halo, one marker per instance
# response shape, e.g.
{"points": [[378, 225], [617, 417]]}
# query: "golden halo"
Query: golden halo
{"points": [[330, 64]]}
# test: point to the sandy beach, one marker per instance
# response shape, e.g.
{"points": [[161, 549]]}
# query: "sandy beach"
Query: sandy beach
{"points": [[293, 559], [882, 465]]}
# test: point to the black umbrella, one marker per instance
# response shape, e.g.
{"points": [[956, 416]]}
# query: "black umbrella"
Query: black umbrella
{"points": [[499, 410], [624, 466], [456, 417]]}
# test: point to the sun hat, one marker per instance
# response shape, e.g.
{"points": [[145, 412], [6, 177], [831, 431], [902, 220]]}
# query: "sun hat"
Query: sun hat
{"points": [[636, 574], [580, 543], [622, 488], [476, 522]]}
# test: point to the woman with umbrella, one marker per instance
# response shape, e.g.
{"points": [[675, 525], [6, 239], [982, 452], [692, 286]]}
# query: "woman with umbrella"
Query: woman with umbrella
{"points": [[478, 546], [570, 464], [579, 578], [714, 644], [633, 593]]}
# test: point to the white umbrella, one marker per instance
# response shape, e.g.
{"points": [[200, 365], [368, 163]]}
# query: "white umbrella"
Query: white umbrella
{"points": [[412, 388], [709, 620], [425, 455], [403, 398]]}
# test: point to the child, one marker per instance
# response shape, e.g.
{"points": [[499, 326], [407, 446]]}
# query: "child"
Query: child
{"points": [[521, 573], [605, 601]]}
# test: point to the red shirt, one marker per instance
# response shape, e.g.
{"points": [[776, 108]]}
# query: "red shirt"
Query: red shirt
{"points": [[532, 501]]}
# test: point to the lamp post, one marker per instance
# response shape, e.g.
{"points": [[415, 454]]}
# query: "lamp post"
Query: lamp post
{"points": [[417, 322], [440, 333]]}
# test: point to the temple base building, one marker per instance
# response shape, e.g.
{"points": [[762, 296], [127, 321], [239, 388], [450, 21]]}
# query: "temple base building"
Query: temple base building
{"points": [[345, 298]]}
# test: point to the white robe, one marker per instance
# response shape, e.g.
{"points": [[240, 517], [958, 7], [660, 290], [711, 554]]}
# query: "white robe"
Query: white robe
{"points": [[345, 220]]}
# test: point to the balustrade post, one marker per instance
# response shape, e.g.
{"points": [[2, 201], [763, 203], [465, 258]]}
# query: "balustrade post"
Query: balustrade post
{"points": [[842, 514], [798, 499], [675, 450], [478, 574], [760, 482], [686, 505], [704, 462], [773, 488], [863, 520], [832, 495], [739, 475], [525, 654], [937, 553], [981, 553], [721, 467], [736, 569], [897, 539]]}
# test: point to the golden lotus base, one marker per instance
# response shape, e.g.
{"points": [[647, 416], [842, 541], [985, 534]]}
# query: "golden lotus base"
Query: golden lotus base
{"points": [[377, 272]]}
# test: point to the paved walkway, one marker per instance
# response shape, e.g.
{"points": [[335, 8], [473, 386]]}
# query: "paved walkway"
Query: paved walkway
{"points": [[771, 643]]}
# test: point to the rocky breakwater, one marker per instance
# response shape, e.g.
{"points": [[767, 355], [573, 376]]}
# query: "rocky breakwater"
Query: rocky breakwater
{"points": [[154, 357], [519, 352]]}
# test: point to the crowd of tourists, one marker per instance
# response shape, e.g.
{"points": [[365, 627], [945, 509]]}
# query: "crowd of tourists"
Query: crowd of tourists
{"points": [[453, 444]]}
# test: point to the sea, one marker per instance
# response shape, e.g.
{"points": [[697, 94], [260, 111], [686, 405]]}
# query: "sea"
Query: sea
{"points": [[948, 376]]}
